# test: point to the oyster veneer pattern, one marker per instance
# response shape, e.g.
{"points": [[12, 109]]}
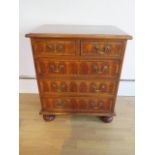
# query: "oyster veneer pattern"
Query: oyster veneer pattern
{"points": [[78, 69]]}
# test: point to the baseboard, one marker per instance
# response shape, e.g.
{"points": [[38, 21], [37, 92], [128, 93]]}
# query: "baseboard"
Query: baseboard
{"points": [[126, 88]]}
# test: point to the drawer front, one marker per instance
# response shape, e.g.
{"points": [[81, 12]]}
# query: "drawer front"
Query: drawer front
{"points": [[48, 86], [74, 104], [102, 48], [53, 47], [95, 105], [58, 105], [48, 67], [106, 68]]}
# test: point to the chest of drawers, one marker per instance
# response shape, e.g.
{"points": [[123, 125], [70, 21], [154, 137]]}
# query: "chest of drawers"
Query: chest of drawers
{"points": [[78, 69]]}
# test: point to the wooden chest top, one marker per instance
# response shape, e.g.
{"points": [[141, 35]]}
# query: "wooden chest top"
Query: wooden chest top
{"points": [[78, 31]]}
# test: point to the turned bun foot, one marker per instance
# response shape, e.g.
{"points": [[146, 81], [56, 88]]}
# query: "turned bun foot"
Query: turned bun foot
{"points": [[106, 119], [48, 117]]}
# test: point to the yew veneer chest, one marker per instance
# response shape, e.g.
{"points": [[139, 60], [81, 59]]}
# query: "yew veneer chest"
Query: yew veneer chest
{"points": [[78, 68]]}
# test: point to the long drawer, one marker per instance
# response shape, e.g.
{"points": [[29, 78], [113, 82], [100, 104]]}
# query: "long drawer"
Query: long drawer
{"points": [[78, 104], [48, 67], [55, 86]]}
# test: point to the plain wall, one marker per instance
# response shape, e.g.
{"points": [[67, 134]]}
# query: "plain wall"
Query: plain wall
{"points": [[34, 13]]}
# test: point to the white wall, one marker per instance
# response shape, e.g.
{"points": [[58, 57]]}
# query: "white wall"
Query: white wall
{"points": [[83, 12]]}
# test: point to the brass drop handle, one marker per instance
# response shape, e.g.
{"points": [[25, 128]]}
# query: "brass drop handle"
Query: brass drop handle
{"points": [[102, 87], [52, 67], [106, 48], [95, 68], [53, 85], [93, 87], [49, 46], [96, 47], [105, 68], [59, 47], [61, 67]]}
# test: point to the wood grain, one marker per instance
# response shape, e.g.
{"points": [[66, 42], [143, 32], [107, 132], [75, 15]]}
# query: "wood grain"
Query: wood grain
{"points": [[78, 53], [75, 135], [98, 47], [48, 67], [52, 47], [100, 105], [50, 86], [78, 31]]}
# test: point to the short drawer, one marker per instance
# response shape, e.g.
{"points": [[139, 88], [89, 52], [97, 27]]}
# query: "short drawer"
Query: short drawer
{"points": [[77, 104], [105, 48], [105, 68], [54, 47], [50, 86]]}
